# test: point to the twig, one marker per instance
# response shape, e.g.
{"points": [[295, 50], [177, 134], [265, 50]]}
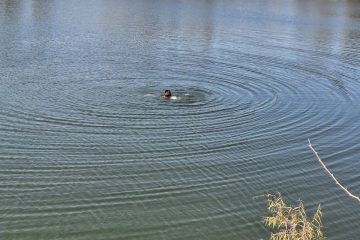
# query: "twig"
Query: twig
{"points": [[331, 175]]}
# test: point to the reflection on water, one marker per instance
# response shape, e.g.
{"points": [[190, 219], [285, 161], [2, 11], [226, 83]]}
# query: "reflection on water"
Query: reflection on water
{"points": [[90, 150]]}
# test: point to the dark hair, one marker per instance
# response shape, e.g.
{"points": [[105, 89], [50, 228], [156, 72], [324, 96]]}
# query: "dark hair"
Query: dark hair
{"points": [[167, 93]]}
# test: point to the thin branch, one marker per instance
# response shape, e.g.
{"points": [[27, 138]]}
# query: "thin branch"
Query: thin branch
{"points": [[331, 175]]}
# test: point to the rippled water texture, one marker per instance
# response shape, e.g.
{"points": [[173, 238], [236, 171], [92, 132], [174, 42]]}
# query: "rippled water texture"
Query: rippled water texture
{"points": [[90, 150]]}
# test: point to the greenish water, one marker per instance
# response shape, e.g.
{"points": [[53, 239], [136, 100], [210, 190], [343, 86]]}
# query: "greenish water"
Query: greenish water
{"points": [[89, 150]]}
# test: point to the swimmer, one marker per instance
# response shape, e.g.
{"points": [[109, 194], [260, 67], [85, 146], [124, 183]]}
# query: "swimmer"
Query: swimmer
{"points": [[167, 94]]}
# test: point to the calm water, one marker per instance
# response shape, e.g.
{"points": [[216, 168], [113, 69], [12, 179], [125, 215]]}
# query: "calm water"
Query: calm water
{"points": [[89, 150]]}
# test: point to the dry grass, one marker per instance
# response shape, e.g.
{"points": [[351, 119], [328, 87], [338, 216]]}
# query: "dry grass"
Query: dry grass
{"points": [[291, 223]]}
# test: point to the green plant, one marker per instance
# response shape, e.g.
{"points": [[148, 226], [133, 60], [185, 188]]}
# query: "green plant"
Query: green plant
{"points": [[291, 223]]}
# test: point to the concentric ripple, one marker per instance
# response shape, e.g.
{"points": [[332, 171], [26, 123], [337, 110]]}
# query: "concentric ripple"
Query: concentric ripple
{"points": [[90, 150]]}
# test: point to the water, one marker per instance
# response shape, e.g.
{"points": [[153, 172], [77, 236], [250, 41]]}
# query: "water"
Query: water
{"points": [[89, 149]]}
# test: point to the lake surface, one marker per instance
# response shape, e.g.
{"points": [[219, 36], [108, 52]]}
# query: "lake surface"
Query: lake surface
{"points": [[89, 149]]}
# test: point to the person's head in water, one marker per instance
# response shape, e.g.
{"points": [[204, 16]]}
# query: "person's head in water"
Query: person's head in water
{"points": [[167, 94]]}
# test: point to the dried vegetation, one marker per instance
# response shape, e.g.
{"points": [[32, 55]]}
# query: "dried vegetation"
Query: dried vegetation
{"points": [[292, 223]]}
